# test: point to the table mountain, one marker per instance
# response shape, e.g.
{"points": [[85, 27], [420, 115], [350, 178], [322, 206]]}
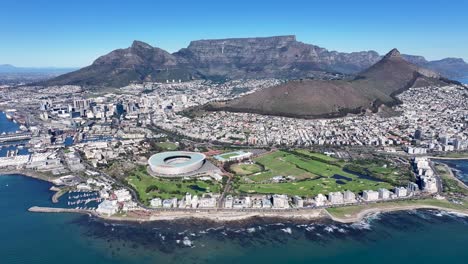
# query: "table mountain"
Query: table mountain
{"points": [[278, 57]]}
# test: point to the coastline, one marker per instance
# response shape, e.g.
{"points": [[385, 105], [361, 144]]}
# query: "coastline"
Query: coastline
{"points": [[35, 175], [451, 175], [369, 211], [26, 173], [212, 215], [447, 158], [144, 215], [226, 216]]}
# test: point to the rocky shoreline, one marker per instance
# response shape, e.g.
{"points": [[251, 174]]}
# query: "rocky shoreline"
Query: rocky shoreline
{"points": [[27, 173], [369, 211], [224, 215]]}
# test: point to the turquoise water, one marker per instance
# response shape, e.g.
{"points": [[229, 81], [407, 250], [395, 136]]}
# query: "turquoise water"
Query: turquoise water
{"points": [[38, 238], [463, 80], [416, 236], [6, 125], [32, 238]]}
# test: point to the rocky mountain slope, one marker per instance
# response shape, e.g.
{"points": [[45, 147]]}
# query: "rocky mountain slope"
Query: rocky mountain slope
{"points": [[279, 57], [320, 98], [138, 63]]}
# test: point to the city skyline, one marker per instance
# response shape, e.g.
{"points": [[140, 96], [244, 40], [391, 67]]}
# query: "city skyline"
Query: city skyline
{"points": [[54, 34]]}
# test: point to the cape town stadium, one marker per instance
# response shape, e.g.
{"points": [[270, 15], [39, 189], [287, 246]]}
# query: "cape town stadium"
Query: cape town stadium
{"points": [[173, 163]]}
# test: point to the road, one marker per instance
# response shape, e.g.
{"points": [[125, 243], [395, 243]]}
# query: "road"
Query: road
{"points": [[440, 187], [227, 188]]}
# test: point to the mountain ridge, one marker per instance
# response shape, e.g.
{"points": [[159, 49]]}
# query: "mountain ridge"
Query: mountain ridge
{"points": [[233, 58], [378, 85]]}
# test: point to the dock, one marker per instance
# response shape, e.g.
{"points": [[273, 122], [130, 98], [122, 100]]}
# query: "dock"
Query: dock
{"points": [[39, 209]]}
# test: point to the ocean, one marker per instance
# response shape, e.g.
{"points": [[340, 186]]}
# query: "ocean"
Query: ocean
{"points": [[459, 167], [6, 125], [419, 236], [463, 80]]}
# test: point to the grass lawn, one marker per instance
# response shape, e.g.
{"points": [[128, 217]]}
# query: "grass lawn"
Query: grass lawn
{"points": [[449, 184], [310, 188], [245, 169], [167, 146], [345, 211], [228, 155], [280, 163], [284, 163], [382, 169], [442, 170], [316, 155], [313, 175], [149, 187]]}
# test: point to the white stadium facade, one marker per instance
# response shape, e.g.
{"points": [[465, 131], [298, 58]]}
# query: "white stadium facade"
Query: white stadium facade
{"points": [[176, 163]]}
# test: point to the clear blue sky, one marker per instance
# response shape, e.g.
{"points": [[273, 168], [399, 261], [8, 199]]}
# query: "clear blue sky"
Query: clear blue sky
{"points": [[74, 33]]}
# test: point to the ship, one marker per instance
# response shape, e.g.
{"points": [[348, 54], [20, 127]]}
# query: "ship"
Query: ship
{"points": [[9, 113]]}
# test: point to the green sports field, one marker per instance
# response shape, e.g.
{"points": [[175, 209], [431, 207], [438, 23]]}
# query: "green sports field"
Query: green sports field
{"points": [[245, 169], [167, 145], [313, 173]]}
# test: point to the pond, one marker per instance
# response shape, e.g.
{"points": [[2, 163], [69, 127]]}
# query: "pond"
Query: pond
{"points": [[197, 188], [340, 177], [340, 182], [363, 176]]}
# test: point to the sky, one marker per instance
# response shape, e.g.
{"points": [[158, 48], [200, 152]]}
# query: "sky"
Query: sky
{"points": [[71, 33]]}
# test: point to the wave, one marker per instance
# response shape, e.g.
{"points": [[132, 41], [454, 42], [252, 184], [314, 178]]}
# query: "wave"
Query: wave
{"points": [[187, 242], [251, 230], [364, 224], [287, 230], [458, 215], [342, 230]]}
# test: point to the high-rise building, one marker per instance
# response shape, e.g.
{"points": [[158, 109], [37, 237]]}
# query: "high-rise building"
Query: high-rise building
{"points": [[384, 193], [298, 202], [418, 134], [457, 144], [443, 139], [401, 192], [370, 196], [336, 198], [280, 201], [79, 104], [349, 197]]}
